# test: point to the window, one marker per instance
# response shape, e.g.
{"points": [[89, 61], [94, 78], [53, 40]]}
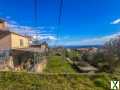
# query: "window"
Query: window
{"points": [[21, 42]]}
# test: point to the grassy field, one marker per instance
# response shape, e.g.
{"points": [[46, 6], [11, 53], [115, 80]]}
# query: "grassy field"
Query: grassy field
{"points": [[56, 64], [29, 81], [51, 80]]}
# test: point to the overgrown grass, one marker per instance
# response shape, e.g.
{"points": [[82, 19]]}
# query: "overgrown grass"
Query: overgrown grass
{"points": [[56, 64], [51, 80], [29, 81]]}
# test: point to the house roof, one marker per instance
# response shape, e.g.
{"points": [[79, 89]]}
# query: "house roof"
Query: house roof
{"points": [[2, 21], [4, 33]]}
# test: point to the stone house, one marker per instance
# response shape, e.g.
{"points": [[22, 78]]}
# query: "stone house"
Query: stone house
{"points": [[11, 40]]}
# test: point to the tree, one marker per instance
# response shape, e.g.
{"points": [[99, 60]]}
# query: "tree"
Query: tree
{"points": [[112, 53]]}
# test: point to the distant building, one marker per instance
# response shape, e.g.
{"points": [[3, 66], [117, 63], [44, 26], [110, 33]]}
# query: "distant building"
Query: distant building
{"points": [[43, 46], [11, 40]]}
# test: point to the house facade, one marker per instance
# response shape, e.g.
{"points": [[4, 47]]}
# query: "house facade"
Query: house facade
{"points": [[20, 55], [11, 40], [18, 41]]}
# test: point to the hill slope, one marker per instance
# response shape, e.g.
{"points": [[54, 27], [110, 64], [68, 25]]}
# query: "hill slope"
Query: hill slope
{"points": [[29, 81]]}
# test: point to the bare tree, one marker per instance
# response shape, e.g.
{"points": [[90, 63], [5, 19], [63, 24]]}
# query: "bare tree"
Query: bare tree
{"points": [[112, 53]]}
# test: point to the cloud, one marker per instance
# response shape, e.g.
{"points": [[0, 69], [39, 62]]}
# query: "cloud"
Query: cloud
{"points": [[117, 21], [42, 33], [93, 41], [49, 37], [46, 37], [8, 17], [35, 32]]}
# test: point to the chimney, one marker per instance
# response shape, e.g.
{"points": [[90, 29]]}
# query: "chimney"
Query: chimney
{"points": [[2, 24]]}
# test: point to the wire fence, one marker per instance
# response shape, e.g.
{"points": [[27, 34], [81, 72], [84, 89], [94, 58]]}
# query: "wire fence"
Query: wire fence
{"points": [[4, 54]]}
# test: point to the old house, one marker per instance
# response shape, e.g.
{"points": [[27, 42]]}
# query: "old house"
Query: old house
{"points": [[8, 42], [17, 54], [11, 40]]}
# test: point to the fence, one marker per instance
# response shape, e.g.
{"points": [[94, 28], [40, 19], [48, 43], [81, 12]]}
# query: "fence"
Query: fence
{"points": [[4, 54]]}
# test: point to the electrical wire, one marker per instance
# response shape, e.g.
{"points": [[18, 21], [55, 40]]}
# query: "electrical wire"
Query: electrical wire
{"points": [[35, 24], [59, 19], [60, 12], [35, 12]]}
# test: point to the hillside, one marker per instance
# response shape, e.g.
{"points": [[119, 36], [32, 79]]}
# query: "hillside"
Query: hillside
{"points": [[29, 81], [67, 79]]}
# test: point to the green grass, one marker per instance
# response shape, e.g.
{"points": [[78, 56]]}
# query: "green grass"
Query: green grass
{"points": [[53, 81], [56, 64], [29, 81]]}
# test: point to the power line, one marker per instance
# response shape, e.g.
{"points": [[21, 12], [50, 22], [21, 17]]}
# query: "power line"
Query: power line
{"points": [[60, 12], [59, 24], [35, 24], [59, 19], [35, 12]]}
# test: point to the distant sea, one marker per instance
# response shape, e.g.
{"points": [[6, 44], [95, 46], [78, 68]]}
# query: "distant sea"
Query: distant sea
{"points": [[84, 46]]}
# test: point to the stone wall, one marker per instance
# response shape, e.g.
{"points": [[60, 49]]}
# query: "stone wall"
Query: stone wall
{"points": [[38, 68]]}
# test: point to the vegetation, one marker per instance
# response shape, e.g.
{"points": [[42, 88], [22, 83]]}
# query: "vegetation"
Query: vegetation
{"points": [[72, 54], [60, 75], [29, 81], [106, 59], [57, 64], [112, 53]]}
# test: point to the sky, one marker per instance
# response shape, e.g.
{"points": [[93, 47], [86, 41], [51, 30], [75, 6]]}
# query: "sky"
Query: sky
{"points": [[83, 22]]}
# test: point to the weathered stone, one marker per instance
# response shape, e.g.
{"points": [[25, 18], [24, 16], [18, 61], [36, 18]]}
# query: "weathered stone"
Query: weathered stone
{"points": [[38, 68]]}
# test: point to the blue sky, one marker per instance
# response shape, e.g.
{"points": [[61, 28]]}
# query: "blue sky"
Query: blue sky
{"points": [[83, 22]]}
